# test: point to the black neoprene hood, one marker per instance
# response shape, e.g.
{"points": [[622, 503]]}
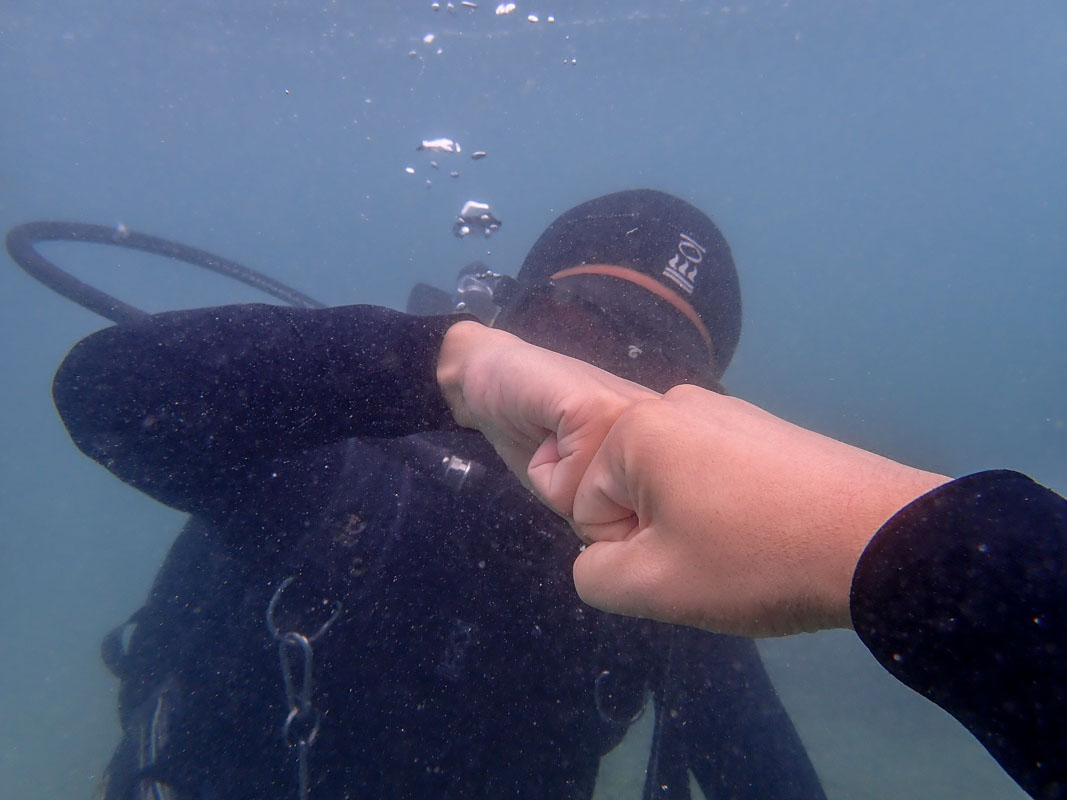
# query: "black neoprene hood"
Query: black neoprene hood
{"points": [[659, 235]]}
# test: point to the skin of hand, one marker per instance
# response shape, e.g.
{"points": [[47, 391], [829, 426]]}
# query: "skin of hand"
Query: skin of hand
{"points": [[705, 510], [697, 508], [545, 413]]}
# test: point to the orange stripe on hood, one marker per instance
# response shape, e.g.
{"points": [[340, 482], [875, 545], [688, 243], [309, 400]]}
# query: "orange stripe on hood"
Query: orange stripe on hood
{"points": [[650, 284]]}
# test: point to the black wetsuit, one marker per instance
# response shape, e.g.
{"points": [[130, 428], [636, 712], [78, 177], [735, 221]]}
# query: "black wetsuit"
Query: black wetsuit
{"points": [[312, 445], [962, 595]]}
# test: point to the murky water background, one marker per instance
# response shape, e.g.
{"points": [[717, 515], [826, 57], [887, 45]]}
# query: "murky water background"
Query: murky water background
{"points": [[890, 174]]}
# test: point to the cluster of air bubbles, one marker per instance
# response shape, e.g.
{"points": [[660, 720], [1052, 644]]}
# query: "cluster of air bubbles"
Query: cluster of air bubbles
{"points": [[440, 145], [475, 216], [501, 10], [444, 146], [449, 6]]}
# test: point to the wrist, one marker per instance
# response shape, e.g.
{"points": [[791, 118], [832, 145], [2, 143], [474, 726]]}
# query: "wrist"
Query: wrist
{"points": [[454, 353], [898, 491], [463, 349]]}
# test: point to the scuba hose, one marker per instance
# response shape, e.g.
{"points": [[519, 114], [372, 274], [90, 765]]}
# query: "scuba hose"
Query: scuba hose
{"points": [[434, 462], [21, 244]]}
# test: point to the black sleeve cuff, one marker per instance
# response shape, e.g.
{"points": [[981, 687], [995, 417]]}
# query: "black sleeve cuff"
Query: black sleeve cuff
{"points": [[962, 595]]}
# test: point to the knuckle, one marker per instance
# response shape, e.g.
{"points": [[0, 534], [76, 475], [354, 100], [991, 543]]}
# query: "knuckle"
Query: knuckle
{"points": [[638, 417], [684, 392]]}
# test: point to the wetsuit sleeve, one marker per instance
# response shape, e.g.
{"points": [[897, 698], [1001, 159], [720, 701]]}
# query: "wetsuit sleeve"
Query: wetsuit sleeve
{"points": [[962, 595], [182, 405]]}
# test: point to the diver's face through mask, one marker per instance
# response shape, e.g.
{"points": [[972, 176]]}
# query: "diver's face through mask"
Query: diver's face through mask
{"points": [[559, 320]]}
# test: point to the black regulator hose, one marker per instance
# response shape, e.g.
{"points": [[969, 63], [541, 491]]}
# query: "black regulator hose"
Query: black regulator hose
{"points": [[21, 241]]}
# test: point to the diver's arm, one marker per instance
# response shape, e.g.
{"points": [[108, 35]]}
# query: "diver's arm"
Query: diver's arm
{"points": [[962, 595], [183, 404]]}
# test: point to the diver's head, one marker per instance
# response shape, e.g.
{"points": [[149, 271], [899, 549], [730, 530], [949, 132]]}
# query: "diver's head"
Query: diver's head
{"points": [[639, 283]]}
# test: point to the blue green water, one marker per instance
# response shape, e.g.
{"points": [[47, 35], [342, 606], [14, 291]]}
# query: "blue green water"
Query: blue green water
{"points": [[890, 174]]}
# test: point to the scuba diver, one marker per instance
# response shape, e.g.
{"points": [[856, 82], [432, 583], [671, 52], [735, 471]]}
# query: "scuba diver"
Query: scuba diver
{"points": [[365, 603]]}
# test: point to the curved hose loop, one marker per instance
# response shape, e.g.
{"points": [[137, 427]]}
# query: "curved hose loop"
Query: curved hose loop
{"points": [[21, 240], [273, 605]]}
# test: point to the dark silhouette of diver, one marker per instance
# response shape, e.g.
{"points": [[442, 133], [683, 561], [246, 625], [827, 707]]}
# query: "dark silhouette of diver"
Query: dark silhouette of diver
{"points": [[365, 603]]}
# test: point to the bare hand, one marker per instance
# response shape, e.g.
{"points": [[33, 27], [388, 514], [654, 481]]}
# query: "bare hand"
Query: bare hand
{"points": [[707, 511], [546, 414]]}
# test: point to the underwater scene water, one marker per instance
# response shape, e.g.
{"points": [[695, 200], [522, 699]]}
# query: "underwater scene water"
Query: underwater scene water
{"points": [[889, 173]]}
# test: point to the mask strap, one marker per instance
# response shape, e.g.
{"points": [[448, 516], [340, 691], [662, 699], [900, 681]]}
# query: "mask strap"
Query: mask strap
{"points": [[649, 284]]}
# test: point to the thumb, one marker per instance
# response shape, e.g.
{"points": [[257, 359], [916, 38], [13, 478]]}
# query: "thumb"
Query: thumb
{"points": [[606, 502], [560, 465], [617, 576], [546, 476]]}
